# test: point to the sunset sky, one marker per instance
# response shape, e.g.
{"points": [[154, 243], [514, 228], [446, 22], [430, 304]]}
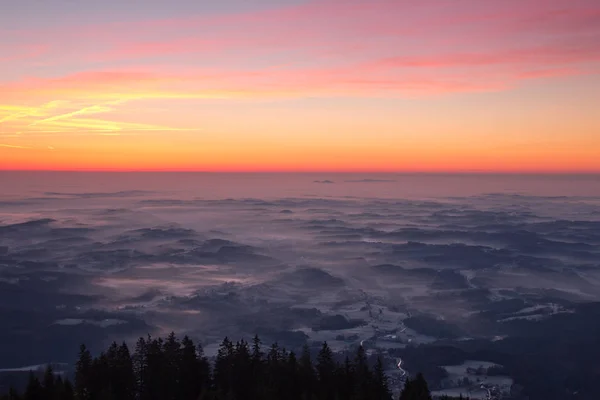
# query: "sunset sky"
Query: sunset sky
{"points": [[326, 85]]}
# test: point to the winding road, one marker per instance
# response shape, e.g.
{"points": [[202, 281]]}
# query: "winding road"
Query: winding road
{"points": [[402, 371]]}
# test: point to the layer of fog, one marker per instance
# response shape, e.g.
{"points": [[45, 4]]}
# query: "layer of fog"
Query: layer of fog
{"points": [[99, 266]]}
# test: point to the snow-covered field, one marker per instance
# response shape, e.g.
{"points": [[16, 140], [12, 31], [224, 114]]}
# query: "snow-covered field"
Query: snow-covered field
{"points": [[478, 385]]}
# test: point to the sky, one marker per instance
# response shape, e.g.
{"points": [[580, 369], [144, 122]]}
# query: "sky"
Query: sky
{"points": [[296, 85]]}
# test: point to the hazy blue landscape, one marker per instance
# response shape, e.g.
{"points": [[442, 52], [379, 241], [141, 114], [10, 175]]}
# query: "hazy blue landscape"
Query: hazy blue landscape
{"points": [[399, 263]]}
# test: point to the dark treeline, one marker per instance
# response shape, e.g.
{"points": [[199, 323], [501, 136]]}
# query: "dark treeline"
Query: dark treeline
{"points": [[171, 369]]}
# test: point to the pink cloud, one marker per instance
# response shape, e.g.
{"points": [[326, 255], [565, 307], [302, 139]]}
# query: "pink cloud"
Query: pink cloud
{"points": [[390, 46], [365, 80], [22, 53], [143, 49], [558, 54]]}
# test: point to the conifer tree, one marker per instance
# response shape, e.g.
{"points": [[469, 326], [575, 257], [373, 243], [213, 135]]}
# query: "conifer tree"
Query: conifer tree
{"points": [[172, 359], [272, 374], [83, 374], [155, 374], [124, 376], [291, 379], [12, 394], [175, 370], [421, 388], [257, 365], [325, 371], [140, 368], [242, 370], [49, 387], [100, 384], [205, 377], [34, 390], [363, 376], [416, 389], [381, 390], [407, 392], [306, 373], [68, 392], [223, 370], [59, 388], [190, 375]]}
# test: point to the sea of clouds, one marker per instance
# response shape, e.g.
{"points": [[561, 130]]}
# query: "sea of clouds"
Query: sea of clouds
{"points": [[101, 265]]}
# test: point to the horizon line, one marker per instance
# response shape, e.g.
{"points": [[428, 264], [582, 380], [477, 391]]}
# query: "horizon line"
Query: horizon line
{"points": [[373, 172]]}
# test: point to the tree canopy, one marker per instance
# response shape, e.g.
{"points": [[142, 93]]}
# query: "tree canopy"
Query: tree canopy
{"points": [[173, 369]]}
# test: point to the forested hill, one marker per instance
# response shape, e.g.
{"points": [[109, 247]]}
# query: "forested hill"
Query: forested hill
{"points": [[171, 369]]}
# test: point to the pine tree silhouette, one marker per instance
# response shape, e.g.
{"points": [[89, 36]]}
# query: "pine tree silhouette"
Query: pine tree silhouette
{"points": [[34, 390], [83, 369], [177, 370]]}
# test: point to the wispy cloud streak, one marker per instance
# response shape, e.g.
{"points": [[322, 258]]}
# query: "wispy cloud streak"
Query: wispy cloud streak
{"points": [[112, 76], [12, 146]]}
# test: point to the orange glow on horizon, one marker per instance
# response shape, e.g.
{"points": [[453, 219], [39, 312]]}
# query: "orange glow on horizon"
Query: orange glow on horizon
{"points": [[380, 161], [379, 86]]}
